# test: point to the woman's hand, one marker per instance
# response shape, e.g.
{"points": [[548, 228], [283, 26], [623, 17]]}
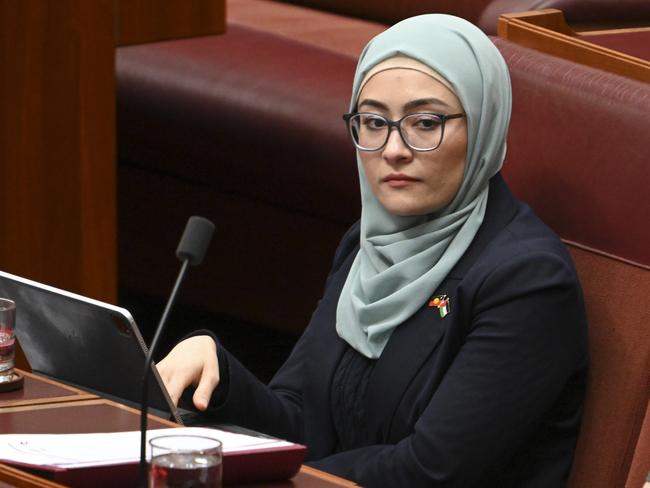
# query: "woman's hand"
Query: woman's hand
{"points": [[192, 362]]}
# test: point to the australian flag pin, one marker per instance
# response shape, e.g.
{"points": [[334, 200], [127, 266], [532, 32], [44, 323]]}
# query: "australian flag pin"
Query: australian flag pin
{"points": [[441, 302]]}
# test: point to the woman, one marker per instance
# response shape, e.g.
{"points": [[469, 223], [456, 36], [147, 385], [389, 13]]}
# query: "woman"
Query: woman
{"points": [[449, 348]]}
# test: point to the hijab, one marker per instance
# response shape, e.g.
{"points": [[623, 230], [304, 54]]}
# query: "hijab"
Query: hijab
{"points": [[403, 259]]}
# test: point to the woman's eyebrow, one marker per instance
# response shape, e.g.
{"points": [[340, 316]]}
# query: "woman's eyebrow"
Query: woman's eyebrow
{"points": [[373, 103], [425, 101], [413, 104]]}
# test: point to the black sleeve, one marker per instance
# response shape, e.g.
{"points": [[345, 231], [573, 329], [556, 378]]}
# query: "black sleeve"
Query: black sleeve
{"points": [[275, 409]]}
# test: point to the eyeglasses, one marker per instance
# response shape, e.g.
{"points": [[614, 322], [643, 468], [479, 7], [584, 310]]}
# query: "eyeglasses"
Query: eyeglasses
{"points": [[419, 131]]}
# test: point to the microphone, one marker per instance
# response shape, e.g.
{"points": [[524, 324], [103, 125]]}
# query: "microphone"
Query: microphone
{"points": [[191, 251]]}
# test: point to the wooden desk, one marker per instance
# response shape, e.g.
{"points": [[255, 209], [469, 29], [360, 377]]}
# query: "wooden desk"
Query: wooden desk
{"points": [[12, 477], [306, 478], [49, 407], [38, 390], [547, 31]]}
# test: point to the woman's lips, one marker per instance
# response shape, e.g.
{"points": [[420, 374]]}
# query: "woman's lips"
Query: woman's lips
{"points": [[398, 180]]}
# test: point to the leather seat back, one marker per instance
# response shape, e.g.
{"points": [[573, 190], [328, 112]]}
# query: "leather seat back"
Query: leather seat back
{"points": [[618, 311], [578, 152]]}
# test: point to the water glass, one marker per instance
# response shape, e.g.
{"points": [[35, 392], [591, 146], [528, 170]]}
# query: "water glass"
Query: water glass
{"points": [[188, 461], [7, 339]]}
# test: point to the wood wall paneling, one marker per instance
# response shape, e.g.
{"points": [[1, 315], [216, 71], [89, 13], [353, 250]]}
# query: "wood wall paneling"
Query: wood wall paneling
{"points": [[140, 21], [58, 172], [57, 149]]}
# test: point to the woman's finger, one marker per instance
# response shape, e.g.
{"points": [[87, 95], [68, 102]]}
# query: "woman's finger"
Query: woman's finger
{"points": [[208, 382], [175, 387]]}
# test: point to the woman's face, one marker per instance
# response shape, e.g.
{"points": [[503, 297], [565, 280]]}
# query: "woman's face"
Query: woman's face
{"points": [[409, 182]]}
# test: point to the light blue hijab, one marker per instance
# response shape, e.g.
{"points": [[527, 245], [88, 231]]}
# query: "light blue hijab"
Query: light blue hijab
{"points": [[402, 260]]}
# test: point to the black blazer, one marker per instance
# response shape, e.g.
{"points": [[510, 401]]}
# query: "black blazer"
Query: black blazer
{"points": [[489, 395]]}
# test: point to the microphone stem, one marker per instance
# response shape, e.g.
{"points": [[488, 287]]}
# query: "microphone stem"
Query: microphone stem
{"points": [[144, 406]]}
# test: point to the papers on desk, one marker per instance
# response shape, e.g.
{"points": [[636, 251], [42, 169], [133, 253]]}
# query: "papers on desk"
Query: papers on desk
{"points": [[109, 460], [83, 450]]}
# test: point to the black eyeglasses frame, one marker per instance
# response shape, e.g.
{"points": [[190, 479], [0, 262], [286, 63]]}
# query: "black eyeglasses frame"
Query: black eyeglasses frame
{"points": [[397, 124]]}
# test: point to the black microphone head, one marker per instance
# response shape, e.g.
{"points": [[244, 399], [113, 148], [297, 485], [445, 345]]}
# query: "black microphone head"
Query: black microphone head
{"points": [[195, 241]]}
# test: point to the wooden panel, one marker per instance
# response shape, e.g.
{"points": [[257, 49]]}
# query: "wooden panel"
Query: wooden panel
{"points": [[140, 21], [12, 477], [57, 144], [547, 31], [39, 390]]}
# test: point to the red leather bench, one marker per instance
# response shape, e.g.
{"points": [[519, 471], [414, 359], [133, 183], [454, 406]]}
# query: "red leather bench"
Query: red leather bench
{"points": [[259, 147]]}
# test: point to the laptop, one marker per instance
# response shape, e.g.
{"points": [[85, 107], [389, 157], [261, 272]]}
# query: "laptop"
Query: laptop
{"points": [[84, 342]]}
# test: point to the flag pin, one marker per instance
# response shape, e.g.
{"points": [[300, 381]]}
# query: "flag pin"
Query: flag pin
{"points": [[441, 302]]}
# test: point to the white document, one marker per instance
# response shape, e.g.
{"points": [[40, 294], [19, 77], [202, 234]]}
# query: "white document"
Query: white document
{"points": [[78, 450]]}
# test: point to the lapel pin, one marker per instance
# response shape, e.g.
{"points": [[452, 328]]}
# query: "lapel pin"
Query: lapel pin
{"points": [[441, 302]]}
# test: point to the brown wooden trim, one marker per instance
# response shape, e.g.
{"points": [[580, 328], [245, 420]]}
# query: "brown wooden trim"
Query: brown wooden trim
{"points": [[83, 403], [137, 412], [75, 393], [49, 406], [536, 30], [47, 401], [583, 27], [613, 31], [551, 19], [330, 478], [22, 479]]}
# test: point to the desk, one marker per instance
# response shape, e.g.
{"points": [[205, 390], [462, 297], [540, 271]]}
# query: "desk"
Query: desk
{"points": [[47, 407], [39, 390]]}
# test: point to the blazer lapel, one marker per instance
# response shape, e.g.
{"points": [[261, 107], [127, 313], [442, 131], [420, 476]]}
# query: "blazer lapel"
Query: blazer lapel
{"points": [[409, 346]]}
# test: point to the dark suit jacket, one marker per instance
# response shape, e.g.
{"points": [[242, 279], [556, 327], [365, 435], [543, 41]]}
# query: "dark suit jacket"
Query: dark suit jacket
{"points": [[489, 395]]}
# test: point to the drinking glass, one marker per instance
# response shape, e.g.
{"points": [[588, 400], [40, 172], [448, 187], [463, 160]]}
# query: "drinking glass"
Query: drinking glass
{"points": [[7, 340], [188, 461]]}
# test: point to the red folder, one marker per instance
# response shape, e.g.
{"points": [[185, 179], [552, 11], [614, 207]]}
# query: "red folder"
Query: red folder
{"points": [[259, 465]]}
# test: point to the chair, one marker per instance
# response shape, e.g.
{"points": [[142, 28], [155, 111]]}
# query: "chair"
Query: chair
{"points": [[576, 154], [640, 468], [618, 309]]}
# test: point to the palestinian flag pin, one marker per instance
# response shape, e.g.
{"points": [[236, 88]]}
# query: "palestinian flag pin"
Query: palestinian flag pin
{"points": [[441, 302]]}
